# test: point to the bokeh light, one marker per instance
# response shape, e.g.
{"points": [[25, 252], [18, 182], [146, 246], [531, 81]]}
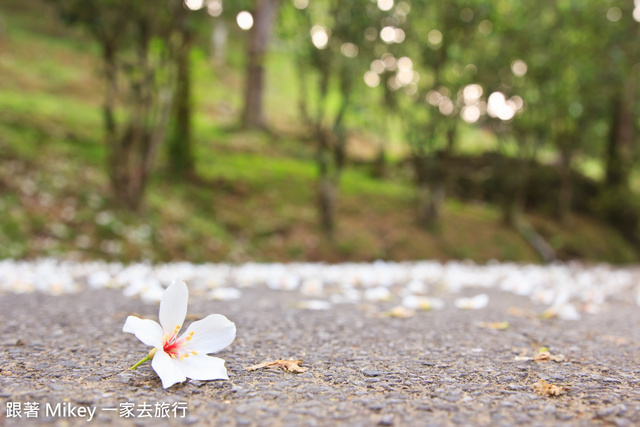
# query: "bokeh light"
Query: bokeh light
{"points": [[519, 67], [403, 8], [485, 27], [349, 50], [244, 20], [404, 77], [471, 93], [390, 62], [377, 66], [502, 108], [371, 34], [301, 4], [614, 14], [388, 34], [576, 109], [470, 113], [214, 8], [194, 4], [371, 78], [434, 37], [385, 5], [466, 15], [446, 106], [319, 36], [405, 63], [434, 97]]}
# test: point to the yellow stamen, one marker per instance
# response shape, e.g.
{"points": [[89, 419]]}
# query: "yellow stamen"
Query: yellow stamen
{"points": [[166, 338], [190, 335], [175, 331], [194, 353], [186, 355], [181, 357]]}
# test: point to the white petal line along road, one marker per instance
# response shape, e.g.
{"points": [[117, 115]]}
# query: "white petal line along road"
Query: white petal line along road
{"points": [[566, 289]]}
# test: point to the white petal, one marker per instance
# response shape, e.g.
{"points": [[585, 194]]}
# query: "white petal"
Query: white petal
{"points": [[167, 369], [203, 368], [211, 334], [173, 306], [146, 330]]}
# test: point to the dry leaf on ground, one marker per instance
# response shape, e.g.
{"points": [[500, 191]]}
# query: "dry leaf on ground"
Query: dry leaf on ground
{"points": [[500, 326], [399, 312], [521, 312], [543, 388], [543, 356], [285, 365]]}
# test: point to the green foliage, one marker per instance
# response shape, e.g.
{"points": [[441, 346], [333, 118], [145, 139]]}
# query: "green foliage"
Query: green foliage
{"points": [[254, 196]]}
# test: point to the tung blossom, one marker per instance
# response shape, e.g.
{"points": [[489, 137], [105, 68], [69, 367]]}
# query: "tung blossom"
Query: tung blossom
{"points": [[178, 357]]}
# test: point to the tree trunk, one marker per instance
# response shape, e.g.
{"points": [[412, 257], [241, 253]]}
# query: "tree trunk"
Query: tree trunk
{"points": [[565, 192], [619, 143], [327, 198], [431, 190], [430, 201], [133, 150], [181, 161], [219, 37], [253, 115], [327, 180]]}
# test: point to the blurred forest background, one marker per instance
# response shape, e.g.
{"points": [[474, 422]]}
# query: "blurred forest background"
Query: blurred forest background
{"points": [[320, 130]]}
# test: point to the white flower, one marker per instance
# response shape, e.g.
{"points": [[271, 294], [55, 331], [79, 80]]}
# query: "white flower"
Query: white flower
{"points": [[176, 358]]}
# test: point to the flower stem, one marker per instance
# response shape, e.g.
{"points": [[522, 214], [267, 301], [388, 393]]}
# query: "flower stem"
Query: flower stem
{"points": [[145, 359]]}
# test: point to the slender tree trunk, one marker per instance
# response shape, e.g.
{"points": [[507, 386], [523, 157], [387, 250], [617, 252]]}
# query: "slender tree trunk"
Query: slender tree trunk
{"points": [[327, 185], [253, 115], [431, 190], [180, 142], [303, 92], [619, 143], [565, 192], [515, 179], [219, 37], [327, 200]]}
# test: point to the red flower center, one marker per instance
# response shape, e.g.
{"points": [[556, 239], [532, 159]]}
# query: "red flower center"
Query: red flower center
{"points": [[175, 347]]}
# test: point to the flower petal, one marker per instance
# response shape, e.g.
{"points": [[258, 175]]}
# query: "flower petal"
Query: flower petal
{"points": [[211, 334], [203, 368], [167, 369], [173, 306], [146, 330]]}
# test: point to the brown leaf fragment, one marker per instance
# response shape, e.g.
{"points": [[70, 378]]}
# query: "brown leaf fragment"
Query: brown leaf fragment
{"points": [[285, 365], [545, 356], [520, 312], [399, 312], [500, 326], [543, 388]]}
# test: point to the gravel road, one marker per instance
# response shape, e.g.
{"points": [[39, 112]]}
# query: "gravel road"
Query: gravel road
{"points": [[442, 367]]}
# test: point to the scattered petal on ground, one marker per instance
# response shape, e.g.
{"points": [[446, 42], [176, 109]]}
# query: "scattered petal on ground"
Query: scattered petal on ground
{"points": [[314, 304], [474, 303]]}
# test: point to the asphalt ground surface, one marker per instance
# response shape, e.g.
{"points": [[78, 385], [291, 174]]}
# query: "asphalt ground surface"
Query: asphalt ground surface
{"points": [[440, 367]]}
